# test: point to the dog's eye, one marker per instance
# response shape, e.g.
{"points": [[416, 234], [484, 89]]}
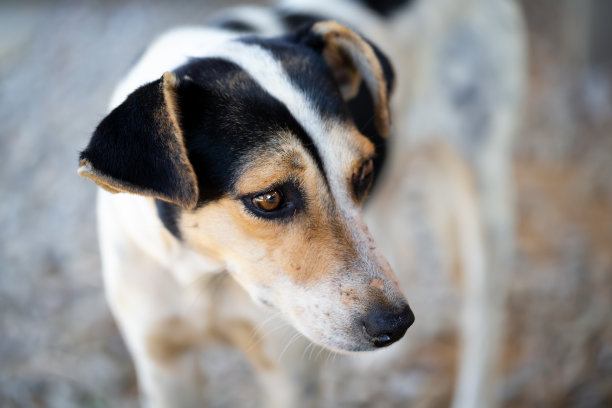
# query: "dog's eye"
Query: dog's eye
{"points": [[280, 202], [269, 201], [362, 181]]}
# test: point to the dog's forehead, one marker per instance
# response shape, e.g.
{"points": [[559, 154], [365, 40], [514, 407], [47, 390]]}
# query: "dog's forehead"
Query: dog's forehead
{"points": [[306, 71], [258, 89], [229, 120], [293, 74]]}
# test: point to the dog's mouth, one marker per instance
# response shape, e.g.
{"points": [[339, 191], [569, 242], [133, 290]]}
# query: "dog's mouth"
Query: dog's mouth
{"points": [[378, 328]]}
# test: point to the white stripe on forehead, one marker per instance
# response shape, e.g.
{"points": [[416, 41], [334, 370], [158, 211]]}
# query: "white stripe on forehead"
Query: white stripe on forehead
{"points": [[268, 72]]}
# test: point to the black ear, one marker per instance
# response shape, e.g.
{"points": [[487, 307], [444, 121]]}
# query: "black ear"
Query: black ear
{"points": [[139, 147], [354, 60]]}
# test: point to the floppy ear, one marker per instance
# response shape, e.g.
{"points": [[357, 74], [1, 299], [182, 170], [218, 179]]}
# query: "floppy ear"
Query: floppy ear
{"points": [[352, 60], [139, 147]]}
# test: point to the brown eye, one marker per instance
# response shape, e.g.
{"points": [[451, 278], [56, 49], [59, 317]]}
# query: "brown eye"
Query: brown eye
{"points": [[362, 181], [269, 201]]}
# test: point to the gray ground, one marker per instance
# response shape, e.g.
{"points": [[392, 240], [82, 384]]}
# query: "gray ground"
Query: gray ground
{"points": [[58, 344]]}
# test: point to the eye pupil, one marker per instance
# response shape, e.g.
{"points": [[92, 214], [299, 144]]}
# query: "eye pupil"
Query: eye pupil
{"points": [[269, 201]]}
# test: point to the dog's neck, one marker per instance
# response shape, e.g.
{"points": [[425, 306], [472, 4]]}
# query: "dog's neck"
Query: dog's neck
{"points": [[138, 220]]}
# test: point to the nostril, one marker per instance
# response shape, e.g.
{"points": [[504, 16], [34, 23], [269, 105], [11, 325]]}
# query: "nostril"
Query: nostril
{"points": [[385, 326], [382, 340]]}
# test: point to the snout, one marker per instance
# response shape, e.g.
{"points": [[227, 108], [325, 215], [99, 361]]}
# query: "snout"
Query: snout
{"points": [[385, 325]]}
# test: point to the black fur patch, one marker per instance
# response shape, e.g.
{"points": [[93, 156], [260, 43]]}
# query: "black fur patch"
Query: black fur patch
{"points": [[169, 215], [225, 115], [135, 143], [385, 7], [293, 21], [235, 25]]}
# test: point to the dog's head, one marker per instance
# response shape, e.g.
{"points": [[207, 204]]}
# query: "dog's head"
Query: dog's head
{"points": [[262, 155]]}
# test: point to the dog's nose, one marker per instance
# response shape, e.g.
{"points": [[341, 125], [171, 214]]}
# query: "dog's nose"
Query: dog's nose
{"points": [[385, 326]]}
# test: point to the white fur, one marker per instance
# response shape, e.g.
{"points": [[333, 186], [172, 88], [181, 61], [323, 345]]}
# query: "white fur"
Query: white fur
{"points": [[263, 19], [168, 52]]}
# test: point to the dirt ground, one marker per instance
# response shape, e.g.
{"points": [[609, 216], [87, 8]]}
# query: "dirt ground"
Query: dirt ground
{"points": [[59, 346]]}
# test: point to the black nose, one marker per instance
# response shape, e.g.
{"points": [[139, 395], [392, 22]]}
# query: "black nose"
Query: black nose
{"points": [[385, 326]]}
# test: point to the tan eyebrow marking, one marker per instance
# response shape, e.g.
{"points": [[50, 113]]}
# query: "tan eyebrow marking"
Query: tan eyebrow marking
{"points": [[272, 165], [264, 172]]}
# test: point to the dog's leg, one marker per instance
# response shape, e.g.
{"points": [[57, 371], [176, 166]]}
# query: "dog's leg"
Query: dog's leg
{"points": [[146, 303], [167, 363], [455, 206], [478, 332], [162, 344]]}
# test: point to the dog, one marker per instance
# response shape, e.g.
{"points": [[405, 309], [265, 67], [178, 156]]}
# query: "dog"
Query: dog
{"points": [[247, 149]]}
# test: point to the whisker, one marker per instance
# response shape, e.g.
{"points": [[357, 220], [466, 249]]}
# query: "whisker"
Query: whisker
{"points": [[259, 339], [309, 345], [293, 339], [258, 329], [311, 350], [322, 349]]}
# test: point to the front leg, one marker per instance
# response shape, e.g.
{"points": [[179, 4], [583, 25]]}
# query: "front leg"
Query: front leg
{"points": [[168, 365], [163, 342]]}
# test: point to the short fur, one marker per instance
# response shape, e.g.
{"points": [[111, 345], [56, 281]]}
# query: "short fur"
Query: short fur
{"points": [[280, 100]]}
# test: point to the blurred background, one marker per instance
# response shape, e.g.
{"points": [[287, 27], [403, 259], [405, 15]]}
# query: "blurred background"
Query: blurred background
{"points": [[59, 346]]}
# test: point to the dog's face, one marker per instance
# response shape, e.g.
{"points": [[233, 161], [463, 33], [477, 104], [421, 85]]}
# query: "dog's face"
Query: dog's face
{"points": [[261, 156]]}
